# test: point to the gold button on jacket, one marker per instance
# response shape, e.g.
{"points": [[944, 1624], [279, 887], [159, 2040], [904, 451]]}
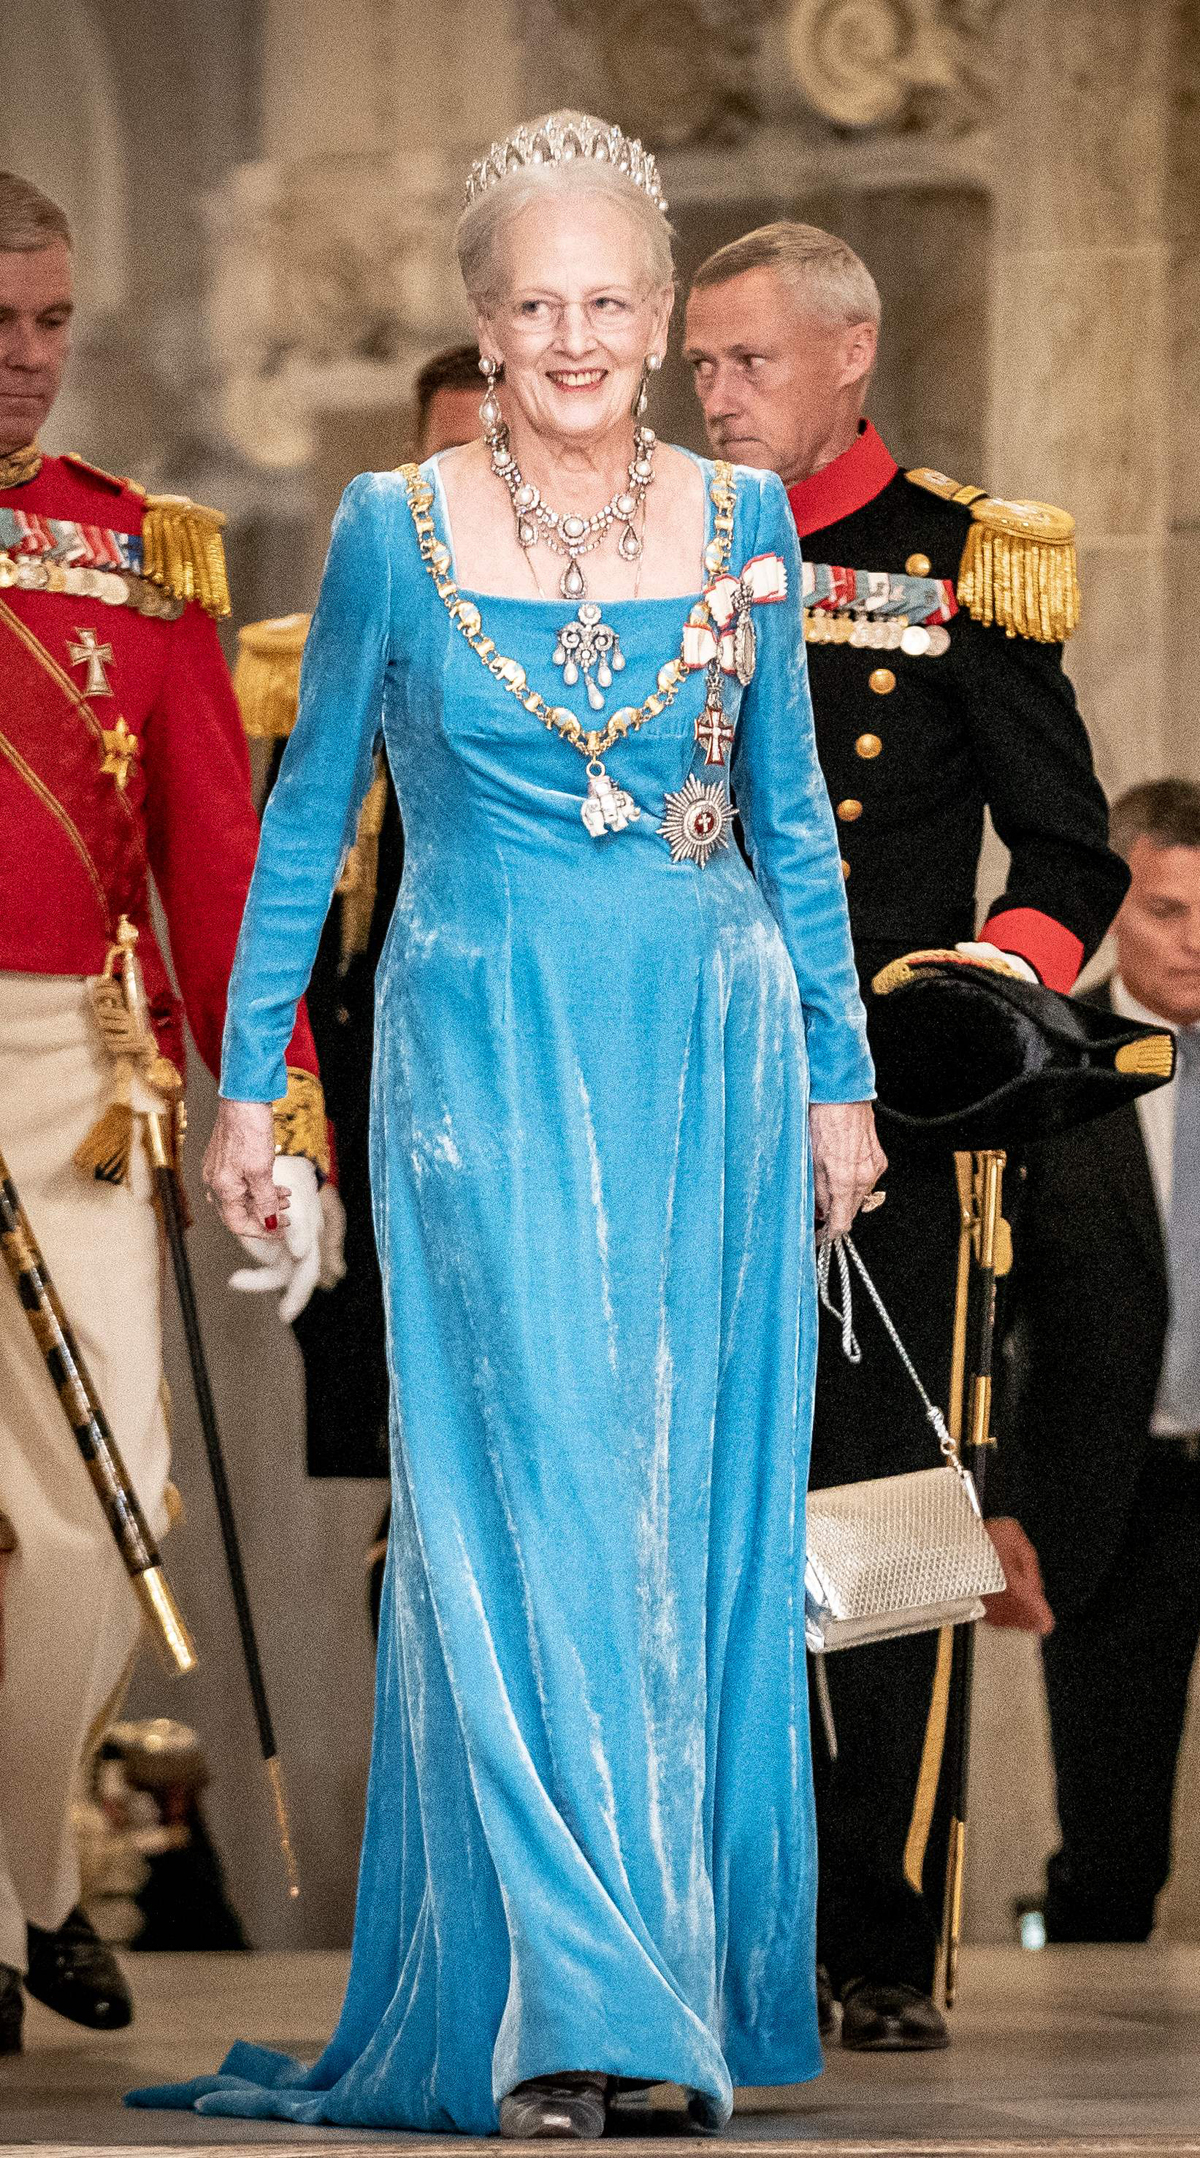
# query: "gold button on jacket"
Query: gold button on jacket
{"points": [[881, 680], [868, 745], [849, 811]]}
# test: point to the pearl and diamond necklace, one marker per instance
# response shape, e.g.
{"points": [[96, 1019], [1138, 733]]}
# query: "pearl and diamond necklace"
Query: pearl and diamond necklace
{"points": [[567, 533]]}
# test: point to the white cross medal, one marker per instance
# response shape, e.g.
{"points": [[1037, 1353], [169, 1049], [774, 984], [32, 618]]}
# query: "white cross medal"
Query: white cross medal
{"points": [[90, 653]]}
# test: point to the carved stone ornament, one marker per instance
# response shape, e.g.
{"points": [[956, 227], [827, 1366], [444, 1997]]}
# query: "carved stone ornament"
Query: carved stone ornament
{"points": [[673, 72], [918, 64]]}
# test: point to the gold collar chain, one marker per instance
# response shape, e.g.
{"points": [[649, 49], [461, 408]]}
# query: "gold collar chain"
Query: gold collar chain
{"points": [[20, 465], [466, 617]]}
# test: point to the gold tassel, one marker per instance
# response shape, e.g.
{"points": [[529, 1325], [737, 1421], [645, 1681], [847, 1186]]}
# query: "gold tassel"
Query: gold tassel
{"points": [[359, 880], [106, 1152], [1019, 569], [182, 551], [266, 679]]}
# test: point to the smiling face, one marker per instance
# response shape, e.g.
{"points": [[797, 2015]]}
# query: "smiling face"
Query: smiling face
{"points": [[1158, 931], [781, 387], [575, 318], [35, 338]]}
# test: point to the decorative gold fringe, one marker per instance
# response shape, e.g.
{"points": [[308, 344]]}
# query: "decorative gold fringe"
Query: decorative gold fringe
{"points": [[300, 1125], [266, 678], [359, 880], [106, 1151], [1019, 569], [182, 551]]}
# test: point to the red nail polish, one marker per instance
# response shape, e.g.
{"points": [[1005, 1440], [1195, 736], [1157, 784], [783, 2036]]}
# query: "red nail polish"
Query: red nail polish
{"points": [[271, 1221]]}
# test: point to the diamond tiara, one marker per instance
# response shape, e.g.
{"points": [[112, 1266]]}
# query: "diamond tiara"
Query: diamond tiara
{"points": [[559, 140]]}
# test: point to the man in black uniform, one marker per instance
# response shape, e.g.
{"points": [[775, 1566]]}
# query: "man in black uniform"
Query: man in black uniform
{"points": [[934, 620]]}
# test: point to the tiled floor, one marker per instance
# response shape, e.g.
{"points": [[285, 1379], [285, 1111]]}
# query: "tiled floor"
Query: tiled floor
{"points": [[1091, 2050]]}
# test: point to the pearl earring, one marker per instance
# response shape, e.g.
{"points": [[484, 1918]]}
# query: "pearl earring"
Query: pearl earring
{"points": [[489, 410]]}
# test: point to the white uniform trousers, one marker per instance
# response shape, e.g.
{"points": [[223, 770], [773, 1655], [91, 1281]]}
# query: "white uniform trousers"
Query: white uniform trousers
{"points": [[72, 1620]]}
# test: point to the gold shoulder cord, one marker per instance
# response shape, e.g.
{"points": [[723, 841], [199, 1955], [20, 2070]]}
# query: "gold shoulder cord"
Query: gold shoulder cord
{"points": [[467, 619]]}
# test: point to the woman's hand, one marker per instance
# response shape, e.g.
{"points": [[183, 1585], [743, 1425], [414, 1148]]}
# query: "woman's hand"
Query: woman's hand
{"points": [[847, 1163], [239, 1169]]}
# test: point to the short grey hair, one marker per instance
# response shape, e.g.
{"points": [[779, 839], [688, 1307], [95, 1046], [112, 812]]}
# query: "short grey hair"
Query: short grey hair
{"points": [[825, 274], [29, 220], [1164, 811], [480, 228]]}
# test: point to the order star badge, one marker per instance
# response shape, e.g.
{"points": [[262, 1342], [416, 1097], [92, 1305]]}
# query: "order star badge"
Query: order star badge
{"points": [[121, 749], [697, 821]]}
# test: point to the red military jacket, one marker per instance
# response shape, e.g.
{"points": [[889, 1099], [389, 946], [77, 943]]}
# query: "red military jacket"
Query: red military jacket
{"points": [[122, 756]]}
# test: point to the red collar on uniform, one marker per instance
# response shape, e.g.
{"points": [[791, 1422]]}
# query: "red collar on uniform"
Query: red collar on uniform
{"points": [[846, 484]]}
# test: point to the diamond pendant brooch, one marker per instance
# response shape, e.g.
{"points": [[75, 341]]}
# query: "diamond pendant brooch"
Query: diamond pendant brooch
{"points": [[588, 646]]}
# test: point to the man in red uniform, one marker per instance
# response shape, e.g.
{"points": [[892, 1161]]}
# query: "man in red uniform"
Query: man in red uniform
{"points": [[122, 761]]}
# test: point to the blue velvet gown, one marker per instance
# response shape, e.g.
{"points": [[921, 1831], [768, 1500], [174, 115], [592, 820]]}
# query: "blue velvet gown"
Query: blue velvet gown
{"points": [[589, 1840]]}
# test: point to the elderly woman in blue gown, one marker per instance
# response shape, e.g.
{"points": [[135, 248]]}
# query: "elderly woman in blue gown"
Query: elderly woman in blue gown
{"points": [[613, 1067]]}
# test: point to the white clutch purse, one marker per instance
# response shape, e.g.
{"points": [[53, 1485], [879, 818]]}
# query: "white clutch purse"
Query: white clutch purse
{"points": [[895, 1554]]}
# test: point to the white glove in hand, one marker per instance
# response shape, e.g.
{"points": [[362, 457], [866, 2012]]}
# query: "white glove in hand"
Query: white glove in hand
{"points": [[291, 1261], [1020, 967]]}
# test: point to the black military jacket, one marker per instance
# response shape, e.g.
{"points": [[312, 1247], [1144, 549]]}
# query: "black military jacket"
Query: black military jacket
{"points": [[914, 747]]}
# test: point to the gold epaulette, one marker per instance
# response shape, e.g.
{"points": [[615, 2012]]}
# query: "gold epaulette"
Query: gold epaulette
{"points": [[182, 551], [267, 675], [1019, 567]]}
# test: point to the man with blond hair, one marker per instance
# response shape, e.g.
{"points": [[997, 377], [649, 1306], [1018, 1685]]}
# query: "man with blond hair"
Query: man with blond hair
{"points": [[122, 765], [935, 616]]}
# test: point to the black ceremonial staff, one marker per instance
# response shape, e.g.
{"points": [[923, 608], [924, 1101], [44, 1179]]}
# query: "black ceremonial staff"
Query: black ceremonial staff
{"points": [[81, 1406], [125, 969]]}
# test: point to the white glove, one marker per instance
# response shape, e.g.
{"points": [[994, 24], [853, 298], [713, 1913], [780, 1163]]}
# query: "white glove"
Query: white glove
{"points": [[1020, 967], [291, 1261]]}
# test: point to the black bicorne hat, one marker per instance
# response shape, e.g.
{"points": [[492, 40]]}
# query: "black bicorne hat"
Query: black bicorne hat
{"points": [[969, 1056]]}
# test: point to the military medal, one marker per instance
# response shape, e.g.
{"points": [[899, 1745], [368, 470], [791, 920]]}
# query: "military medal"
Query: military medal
{"points": [[697, 821], [90, 653], [713, 730]]}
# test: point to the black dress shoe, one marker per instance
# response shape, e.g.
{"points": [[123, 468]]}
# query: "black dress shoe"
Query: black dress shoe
{"points": [[74, 1973], [571, 2105], [12, 2009], [827, 2021], [878, 2018]]}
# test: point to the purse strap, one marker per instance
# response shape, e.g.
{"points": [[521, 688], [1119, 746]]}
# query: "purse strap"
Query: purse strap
{"points": [[826, 1254]]}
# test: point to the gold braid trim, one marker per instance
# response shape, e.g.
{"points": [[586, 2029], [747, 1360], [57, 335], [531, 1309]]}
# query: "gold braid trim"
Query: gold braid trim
{"points": [[182, 551], [300, 1126], [899, 972], [266, 679]]}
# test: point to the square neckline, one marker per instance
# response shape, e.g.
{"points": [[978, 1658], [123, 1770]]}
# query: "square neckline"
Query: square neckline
{"points": [[513, 599]]}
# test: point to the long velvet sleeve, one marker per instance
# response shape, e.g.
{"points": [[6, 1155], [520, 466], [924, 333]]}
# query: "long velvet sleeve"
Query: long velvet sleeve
{"points": [[790, 830], [311, 816]]}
